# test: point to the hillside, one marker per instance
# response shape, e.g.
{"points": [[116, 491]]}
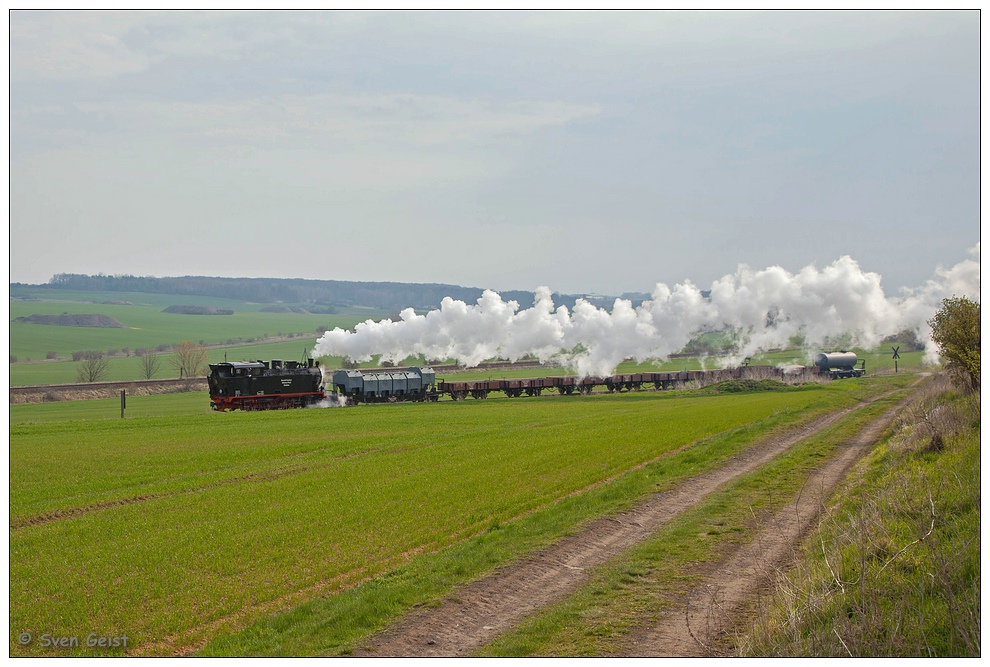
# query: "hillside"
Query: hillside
{"points": [[326, 293], [66, 320]]}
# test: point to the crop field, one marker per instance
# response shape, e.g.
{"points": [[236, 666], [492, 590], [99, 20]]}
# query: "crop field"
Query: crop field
{"points": [[245, 335], [147, 327], [185, 529]]}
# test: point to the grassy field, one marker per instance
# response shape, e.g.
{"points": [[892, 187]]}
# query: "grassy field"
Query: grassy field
{"points": [[899, 548], [640, 585], [181, 527], [129, 368], [147, 327], [239, 337]]}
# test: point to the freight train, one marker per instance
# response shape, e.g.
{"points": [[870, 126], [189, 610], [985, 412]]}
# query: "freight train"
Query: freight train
{"points": [[288, 384]]}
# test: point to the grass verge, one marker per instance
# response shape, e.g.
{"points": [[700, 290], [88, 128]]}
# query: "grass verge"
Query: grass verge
{"points": [[894, 569]]}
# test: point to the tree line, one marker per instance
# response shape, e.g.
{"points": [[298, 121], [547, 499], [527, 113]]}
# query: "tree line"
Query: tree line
{"points": [[381, 295]]}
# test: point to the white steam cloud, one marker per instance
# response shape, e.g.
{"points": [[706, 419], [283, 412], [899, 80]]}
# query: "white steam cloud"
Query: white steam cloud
{"points": [[764, 309]]}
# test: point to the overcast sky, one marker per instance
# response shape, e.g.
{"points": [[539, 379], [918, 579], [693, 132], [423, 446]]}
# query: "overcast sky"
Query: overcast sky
{"points": [[589, 152]]}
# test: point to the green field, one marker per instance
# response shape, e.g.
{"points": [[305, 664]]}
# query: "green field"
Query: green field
{"points": [[239, 337], [180, 527]]}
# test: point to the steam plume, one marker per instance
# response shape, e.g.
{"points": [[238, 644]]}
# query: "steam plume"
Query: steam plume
{"points": [[764, 309]]}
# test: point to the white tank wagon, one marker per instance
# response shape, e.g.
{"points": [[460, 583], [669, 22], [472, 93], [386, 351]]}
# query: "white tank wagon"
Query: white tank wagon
{"points": [[841, 364]]}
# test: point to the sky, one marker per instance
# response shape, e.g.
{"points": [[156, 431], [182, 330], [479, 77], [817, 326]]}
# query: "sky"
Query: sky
{"points": [[588, 152]]}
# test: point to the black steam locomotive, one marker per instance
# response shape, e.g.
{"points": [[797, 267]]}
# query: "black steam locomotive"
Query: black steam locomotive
{"points": [[262, 385]]}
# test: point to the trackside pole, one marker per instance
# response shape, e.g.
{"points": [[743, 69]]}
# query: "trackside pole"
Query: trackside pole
{"points": [[123, 402]]}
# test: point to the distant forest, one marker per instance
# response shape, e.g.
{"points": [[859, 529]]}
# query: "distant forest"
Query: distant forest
{"points": [[327, 294]]}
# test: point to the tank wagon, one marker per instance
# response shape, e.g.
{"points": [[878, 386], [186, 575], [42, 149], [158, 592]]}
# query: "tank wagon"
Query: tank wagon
{"points": [[262, 385], [840, 364]]}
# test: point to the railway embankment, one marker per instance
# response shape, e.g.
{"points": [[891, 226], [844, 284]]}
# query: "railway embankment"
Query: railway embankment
{"points": [[91, 390]]}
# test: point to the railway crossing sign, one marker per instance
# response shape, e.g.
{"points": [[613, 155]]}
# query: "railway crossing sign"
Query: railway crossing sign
{"points": [[896, 355]]}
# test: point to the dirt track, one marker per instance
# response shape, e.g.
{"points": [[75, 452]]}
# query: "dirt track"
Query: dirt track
{"points": [[477, 613], [704, 621]]}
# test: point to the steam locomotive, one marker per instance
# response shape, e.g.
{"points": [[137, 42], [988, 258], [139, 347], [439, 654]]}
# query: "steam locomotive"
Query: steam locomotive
{"points": [[260, 385]]}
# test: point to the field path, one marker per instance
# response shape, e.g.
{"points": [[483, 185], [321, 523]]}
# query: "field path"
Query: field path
{"points": [[476, 614], [704, 621]]}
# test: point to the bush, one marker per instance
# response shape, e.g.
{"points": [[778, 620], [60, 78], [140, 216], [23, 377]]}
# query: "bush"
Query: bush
{"points": [[736, 386], [956, 331], [51, 354]]}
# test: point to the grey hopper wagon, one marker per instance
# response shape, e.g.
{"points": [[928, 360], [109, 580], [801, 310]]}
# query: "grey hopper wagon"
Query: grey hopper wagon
{"points": [[413, 384]]}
